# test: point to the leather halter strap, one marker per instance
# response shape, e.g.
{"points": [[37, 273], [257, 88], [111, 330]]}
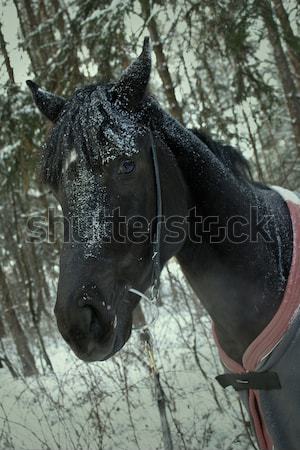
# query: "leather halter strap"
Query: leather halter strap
{"points": [[156, 236], [155, 283]]}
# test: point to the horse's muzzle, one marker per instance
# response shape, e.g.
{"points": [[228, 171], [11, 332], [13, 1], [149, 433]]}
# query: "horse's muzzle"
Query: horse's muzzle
{"points": [[89, 326]]}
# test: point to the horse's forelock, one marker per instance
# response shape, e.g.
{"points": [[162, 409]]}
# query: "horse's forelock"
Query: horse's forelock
{"points": [[92, 125]]}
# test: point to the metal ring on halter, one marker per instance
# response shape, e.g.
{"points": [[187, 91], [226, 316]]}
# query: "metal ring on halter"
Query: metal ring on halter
{"points": [[140, 294]]}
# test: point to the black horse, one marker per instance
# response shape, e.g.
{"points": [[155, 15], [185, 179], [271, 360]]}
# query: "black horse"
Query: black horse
{"points": [[233, 237]]}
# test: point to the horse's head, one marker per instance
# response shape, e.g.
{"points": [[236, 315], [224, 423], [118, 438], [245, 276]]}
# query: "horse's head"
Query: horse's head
{"points": [[98, 159]]}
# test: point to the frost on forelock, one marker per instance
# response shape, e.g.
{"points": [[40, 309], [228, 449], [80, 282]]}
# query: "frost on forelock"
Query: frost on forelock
{"points": [[109, 131], [90, 133]]}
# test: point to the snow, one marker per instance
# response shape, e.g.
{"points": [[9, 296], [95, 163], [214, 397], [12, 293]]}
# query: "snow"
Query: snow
{"points": [[8, 150], [114, 6], [33, 193]]}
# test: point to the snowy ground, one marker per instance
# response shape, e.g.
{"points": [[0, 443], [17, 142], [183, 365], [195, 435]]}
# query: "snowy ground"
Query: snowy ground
{"points": [[111, 405]]}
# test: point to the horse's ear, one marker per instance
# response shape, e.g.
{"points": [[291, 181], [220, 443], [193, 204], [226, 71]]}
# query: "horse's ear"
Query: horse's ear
{"points": [[49, 104], [129, 91]]}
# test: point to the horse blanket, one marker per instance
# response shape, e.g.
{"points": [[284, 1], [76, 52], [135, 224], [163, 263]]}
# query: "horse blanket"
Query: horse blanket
{"points": [[275, 409]]}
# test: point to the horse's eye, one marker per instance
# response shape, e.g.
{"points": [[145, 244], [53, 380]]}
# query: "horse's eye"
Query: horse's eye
{"points": [[126, 167]]}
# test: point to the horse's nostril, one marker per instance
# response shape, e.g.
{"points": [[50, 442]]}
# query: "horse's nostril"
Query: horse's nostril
{"points": [[99, 328]]}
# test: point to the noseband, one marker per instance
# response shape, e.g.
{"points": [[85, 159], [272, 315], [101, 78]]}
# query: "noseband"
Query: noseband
{"points": [[156, 267]]}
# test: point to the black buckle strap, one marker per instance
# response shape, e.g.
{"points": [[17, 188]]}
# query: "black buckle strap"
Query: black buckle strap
{"points": [[250, 380]]}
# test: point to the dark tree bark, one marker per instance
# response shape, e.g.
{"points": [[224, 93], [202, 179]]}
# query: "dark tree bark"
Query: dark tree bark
{"points": [[24, 29], [32, 25], [57, 8], [20, 339], [4, 52], [283, 68], [2, 329], [4, 359], [26, 257], [292, 41]]}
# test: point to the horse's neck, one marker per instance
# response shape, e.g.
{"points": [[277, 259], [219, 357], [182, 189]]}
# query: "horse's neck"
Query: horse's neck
{"points": [[240, 284]]}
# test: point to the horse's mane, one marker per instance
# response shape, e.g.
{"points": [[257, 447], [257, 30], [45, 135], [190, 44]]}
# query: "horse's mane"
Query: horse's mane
{"points": [[230, 156]]}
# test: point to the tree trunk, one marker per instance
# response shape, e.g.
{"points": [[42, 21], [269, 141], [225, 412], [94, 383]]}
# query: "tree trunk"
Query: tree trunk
{"points": [[26, 44], [27, 263], [58, 9], [2, 329], [283, 68], [8, 66], [32, 25], [292, 41], [20, 339], [162, 64], [5, 359]]}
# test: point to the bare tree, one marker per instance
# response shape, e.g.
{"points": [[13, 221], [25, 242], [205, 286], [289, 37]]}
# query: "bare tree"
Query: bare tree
{"points": [[292, 41], [20, 338], [284, 71], [8, 66]]}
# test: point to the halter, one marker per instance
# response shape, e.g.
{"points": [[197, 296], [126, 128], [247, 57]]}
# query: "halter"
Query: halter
{"points": [[157, 235], [156, 268]]}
